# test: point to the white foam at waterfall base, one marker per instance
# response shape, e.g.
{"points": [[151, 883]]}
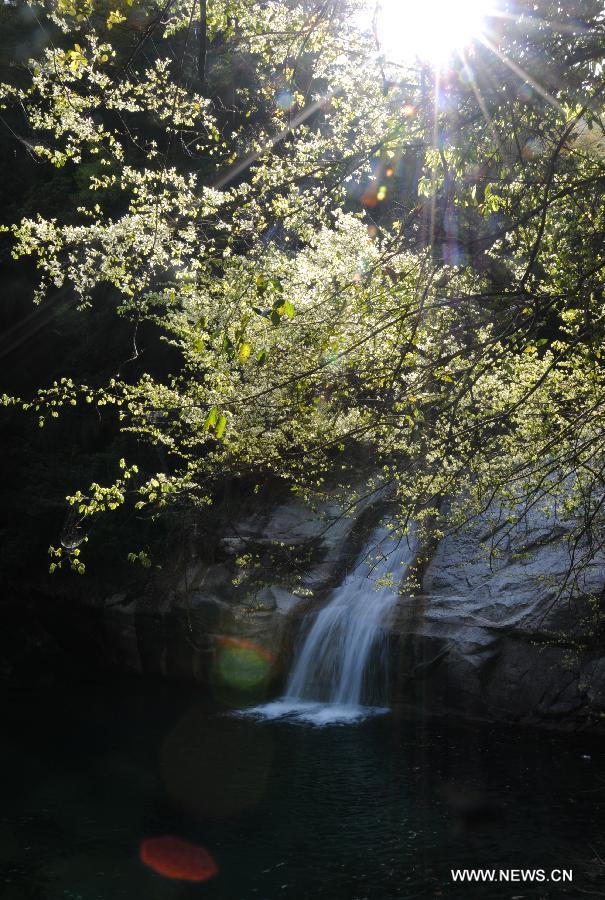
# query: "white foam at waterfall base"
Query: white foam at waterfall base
{"points": [[342, 661], [316, 713]]}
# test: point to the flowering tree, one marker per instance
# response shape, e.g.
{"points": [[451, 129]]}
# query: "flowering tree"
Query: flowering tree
{"points": [[348, 254]]}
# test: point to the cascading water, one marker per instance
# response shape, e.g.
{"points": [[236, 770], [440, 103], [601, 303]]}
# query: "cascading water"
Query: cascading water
{"points": [[342, 664]]}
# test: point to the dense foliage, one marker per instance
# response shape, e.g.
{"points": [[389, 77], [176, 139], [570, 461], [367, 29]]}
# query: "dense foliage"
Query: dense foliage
{"points": [[342, 254]]}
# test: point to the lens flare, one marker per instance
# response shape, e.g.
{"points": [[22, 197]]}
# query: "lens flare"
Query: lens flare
{"points": [[241, 663], [174, 858], [432, 30], [215, 772]]}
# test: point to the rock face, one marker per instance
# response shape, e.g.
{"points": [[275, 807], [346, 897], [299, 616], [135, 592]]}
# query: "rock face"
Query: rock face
{"points": [[482, 638], [231, 623], [488, 639]]}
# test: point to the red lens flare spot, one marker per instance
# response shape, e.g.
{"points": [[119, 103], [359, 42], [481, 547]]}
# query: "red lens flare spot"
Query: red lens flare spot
{"points": [[178, 859], [369, 198]]}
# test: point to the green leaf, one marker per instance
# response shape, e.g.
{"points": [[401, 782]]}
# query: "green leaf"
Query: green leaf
{"points": [[245, 349], [289, 309], [211, 418], [262, 284], [275, 318], [220, 427]]}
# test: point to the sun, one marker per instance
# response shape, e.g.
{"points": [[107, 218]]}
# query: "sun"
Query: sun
{"points": [[429, 30]]}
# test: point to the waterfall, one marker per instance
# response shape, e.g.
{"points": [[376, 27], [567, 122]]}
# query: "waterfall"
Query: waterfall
{"points": [[341, 664]]}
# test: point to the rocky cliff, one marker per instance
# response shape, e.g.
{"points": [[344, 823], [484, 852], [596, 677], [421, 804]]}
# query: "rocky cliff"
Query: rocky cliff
{"points": [[486, 636], [481, 637]]}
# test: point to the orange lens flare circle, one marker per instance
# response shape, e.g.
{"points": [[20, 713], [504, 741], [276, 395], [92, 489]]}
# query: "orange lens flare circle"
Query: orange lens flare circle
{"points": [[175, 858]]}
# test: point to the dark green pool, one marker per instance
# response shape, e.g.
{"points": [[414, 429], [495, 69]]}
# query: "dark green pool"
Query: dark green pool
{"points": [[379, 809]]}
